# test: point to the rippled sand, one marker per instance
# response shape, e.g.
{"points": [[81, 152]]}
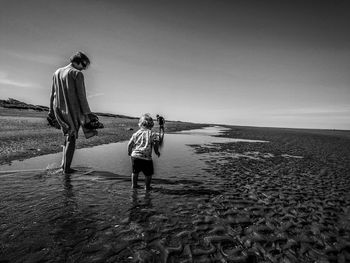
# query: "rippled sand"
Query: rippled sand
{"points": [[251, 204], [94, 216]]}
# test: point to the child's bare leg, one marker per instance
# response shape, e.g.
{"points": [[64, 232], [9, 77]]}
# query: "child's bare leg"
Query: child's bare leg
{"points": [[148, 180], [134, 179]]}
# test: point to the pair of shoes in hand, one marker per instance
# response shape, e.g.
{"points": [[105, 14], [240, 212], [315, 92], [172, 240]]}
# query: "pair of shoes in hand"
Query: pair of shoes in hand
{"points": [[94, 123], [53, 122]]}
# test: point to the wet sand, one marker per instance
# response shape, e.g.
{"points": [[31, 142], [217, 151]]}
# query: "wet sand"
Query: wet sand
{"points": [[287, 200]]}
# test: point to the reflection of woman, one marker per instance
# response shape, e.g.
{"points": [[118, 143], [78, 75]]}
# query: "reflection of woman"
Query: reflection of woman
{"points": [[69, 224], [64, 224], [68, 189]]}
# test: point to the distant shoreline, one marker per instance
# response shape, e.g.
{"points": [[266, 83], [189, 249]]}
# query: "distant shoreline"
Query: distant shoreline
{"points": [[25, 132]]}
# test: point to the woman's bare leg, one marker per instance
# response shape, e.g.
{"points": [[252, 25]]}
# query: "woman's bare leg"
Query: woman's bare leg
{"points": [[68, 153]]}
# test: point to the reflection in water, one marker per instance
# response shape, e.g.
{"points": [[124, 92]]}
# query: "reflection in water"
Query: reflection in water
{"points": [[67, 225], [161, 140], [140, 208], [68, 188]]}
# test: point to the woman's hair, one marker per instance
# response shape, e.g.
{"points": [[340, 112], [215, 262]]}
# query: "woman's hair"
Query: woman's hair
{"points": [[146, 121], [80, 57]]}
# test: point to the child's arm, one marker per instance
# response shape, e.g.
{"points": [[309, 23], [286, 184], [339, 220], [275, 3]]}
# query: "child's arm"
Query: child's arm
{"points": [[130, 146]]}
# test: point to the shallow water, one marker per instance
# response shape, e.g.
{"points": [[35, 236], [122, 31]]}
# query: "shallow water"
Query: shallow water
{"points": [[93, 216], [176, 156]]}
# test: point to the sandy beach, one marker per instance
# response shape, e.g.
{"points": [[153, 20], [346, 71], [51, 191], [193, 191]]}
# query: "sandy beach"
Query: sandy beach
{"points": [[282, 198]]}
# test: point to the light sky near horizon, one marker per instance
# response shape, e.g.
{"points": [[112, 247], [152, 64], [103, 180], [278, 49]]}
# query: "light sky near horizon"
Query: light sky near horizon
{"points": [[255, 63]]}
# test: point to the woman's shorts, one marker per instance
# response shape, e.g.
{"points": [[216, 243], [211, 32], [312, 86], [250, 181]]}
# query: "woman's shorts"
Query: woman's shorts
{"points": [[142, 165]]}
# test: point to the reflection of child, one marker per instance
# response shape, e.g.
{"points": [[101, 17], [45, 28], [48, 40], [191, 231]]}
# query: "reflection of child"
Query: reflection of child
{"points": [[140, 149]]}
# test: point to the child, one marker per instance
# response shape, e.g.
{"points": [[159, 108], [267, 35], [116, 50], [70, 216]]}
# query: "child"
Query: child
{"points": [[140, 149]]}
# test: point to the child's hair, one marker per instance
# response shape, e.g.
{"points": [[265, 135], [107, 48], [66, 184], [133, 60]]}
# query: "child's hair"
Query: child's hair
{"points": [[146, 121]]}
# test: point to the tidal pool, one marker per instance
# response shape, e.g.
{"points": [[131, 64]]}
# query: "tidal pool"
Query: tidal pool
{"points": [[177, 158], [94, 216]]}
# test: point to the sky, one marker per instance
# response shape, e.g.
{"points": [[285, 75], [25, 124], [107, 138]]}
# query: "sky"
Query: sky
{"points": [[251, 63]]}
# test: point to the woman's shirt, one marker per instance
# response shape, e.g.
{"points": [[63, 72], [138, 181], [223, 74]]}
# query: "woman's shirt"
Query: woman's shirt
{"points": [[69, 104]]}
